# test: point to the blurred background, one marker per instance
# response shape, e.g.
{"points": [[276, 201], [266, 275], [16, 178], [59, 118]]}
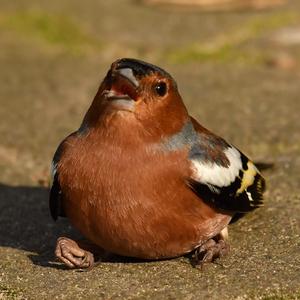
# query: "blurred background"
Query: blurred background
{"points": [[237, 64]]}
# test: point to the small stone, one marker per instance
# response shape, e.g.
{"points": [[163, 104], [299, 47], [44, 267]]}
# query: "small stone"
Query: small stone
{"points": [[282, 61], [287, 36]]}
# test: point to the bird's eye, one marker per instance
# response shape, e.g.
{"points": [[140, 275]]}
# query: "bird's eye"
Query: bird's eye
{"points": [[161, 88]]}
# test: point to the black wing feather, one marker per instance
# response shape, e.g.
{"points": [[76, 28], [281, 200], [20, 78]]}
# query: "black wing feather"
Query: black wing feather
{"points": [[55, 196], [231, 197], [55, 199], [228, 199], [239, 194]]}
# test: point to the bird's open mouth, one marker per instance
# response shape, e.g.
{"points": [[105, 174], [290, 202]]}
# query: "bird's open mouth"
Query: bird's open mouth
{"points": [[122, 86]]}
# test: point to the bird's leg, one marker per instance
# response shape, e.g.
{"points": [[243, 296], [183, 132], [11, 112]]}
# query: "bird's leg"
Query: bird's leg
{"points": [[75, 254], [212, 249]]}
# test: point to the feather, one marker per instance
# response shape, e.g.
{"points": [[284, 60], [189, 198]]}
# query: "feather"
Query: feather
{"points": [[223, 176], [55, 196], [242, 194]]}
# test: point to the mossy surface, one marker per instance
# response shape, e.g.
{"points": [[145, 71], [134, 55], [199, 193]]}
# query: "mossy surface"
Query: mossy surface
{"points": [[228, 46], [56, 29]]}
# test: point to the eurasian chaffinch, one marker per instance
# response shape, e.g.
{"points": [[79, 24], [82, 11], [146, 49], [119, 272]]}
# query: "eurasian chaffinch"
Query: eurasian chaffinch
{"points": [[142, 178]]}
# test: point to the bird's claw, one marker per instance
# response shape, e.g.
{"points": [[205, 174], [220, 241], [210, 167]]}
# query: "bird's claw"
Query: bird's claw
{"points": [[68, 252], [209, 251]]}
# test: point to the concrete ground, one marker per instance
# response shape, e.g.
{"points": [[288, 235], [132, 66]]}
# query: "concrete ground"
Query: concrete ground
{"points": [[239, 73]]}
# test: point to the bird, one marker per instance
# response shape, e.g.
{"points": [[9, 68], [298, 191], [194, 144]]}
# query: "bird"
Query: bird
{"points": [[142, 178]]}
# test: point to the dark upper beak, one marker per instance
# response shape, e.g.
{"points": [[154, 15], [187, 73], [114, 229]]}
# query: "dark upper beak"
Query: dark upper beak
{"points": [[127, 74], [126, 69], [122, 81]]}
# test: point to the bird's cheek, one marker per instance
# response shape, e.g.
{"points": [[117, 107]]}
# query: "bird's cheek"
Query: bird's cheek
{"points": [[139, 101], [144, 110]]}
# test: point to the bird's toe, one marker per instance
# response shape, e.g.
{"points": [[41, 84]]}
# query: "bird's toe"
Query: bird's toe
{"points": [[68, 252], [210, 251]]}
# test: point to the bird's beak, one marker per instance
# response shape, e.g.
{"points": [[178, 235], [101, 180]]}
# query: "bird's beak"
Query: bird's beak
{"points": [[122, 84], [127, 73]]}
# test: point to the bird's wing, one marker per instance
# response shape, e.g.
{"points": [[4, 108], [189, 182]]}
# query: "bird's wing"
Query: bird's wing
{"points": [[55, 197], [222, 175]]}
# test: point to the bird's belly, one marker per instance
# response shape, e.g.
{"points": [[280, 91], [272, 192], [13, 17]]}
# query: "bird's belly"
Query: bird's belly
{"points": [[136, 204], [144, 227]]}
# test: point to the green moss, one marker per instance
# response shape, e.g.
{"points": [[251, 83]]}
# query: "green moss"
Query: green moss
{"points": [[54, 29], [275, 21], [197, 52], [225, 53], [226, 47]]}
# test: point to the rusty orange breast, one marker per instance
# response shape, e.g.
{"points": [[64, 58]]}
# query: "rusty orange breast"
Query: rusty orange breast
{"points": [[132, 199]]}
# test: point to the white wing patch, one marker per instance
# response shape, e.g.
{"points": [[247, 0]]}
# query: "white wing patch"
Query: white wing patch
{"points": [[213, 174]]}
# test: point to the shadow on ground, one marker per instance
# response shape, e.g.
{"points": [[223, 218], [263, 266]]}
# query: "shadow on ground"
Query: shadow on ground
{"points": [[25, 222]]}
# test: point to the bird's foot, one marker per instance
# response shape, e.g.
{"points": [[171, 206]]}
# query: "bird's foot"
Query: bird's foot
{"points": [[69, 252], [209, 251]]}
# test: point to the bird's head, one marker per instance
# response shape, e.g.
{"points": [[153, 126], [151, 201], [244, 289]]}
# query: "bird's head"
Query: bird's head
{"points": [[136, 91]]}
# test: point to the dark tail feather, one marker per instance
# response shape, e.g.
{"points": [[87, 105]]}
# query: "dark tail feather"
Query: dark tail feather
{"points": [[262, 166], [236, 217]]}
